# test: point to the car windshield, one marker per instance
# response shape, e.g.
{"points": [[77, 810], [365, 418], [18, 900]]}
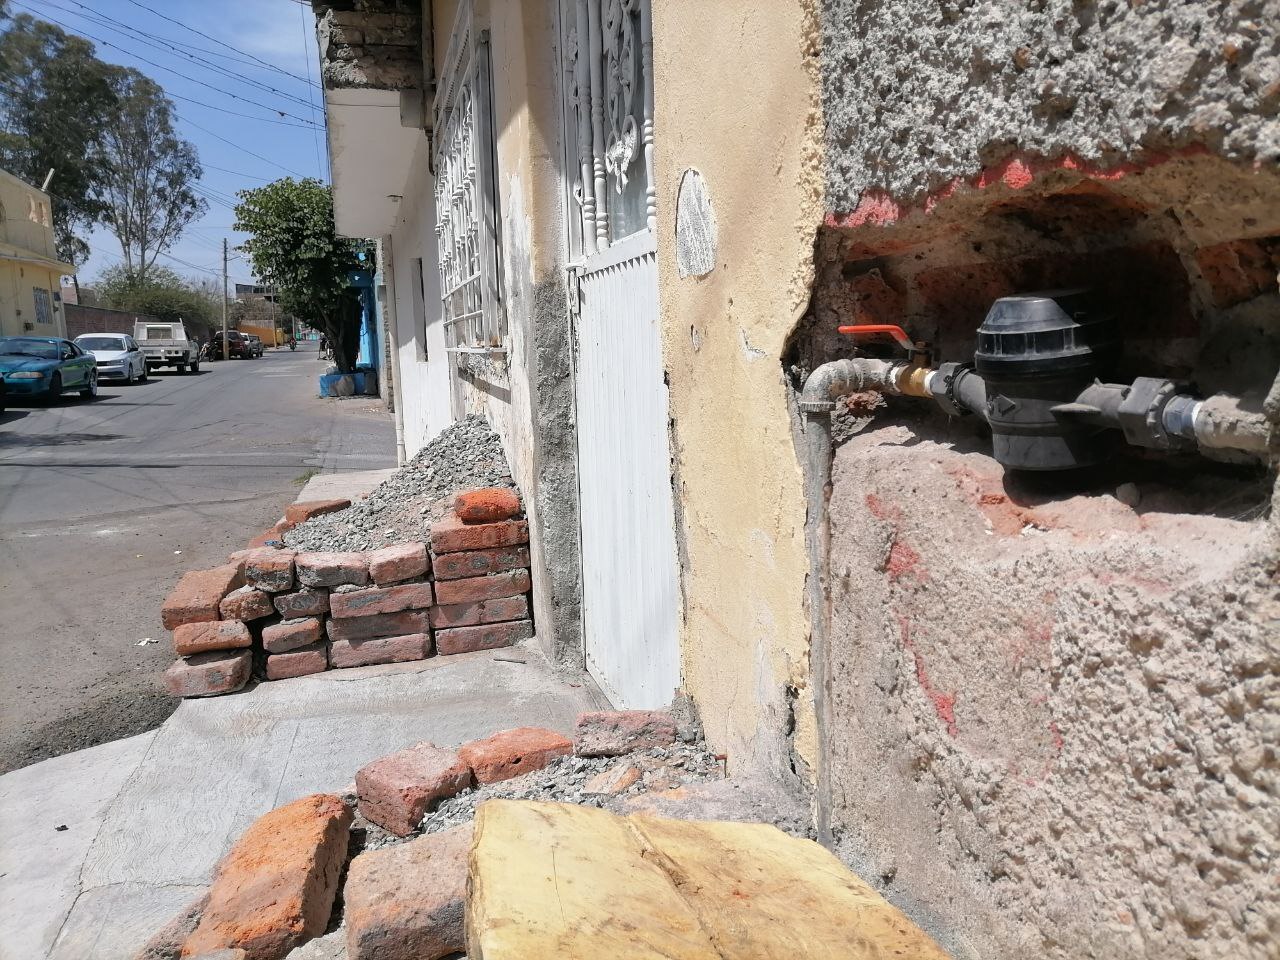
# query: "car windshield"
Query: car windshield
{"points": [[100, 343], [22, 347]]}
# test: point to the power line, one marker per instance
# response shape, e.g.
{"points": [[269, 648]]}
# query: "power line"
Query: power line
{"points": [[308, 125], [306, 56], [256, 156]]}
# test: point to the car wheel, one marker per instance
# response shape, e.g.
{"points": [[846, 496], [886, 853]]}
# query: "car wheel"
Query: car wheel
{"points": [[55, 388], [129, 377], [195, 366], [144, 373], [91, 390]]}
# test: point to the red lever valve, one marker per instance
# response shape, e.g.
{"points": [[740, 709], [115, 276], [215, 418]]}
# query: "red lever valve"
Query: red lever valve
{"points": [[867, 329]]}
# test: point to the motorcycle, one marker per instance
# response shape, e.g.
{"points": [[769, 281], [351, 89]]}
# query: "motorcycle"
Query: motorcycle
{"points": [[293, 344]]}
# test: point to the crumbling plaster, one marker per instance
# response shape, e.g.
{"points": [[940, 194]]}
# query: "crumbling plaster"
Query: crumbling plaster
{"points": [[754, 136]]}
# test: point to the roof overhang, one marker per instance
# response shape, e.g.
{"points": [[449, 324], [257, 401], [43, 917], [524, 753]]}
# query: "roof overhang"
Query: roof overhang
{"points": [[370, 152]]}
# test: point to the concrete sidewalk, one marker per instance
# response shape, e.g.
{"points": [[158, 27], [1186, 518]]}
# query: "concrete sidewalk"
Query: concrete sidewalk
{"points": [[148, 818], [346, 484]]}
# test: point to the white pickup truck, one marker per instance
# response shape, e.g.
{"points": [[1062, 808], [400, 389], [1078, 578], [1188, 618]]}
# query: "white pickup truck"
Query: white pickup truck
{"points": [[167, 345]]}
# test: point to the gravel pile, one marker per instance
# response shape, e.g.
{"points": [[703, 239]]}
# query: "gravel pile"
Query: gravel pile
{"points": [[402, 508]]}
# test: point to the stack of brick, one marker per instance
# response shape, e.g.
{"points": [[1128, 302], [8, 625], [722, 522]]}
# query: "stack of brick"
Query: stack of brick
{"points": [[298, 613]]}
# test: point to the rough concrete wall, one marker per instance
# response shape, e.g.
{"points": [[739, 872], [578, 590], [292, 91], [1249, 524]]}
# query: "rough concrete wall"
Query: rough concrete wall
{"points": [[918, 93], [374, 44], [753, 134]]}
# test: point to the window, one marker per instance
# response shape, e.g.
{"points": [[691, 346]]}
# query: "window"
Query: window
{"points": [[420, 319], [466, 195], [44, 305]]}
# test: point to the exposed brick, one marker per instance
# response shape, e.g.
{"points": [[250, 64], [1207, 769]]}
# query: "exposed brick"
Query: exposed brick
{"points": [[209, 674], [269, 569], [299, 662], [613, 781], [512, 753], [401, 562], [483, 637], [395, 791], [332, 569], [612, 733], [307, 602], [451, 534], [198, 593], [490, 505], [192, 638], [363, 653], [292, 634], [480, 563], [296, 513], [379, 625], [383, 923], [274, 889], [362, 603], [510, 584], [246, 603], [482, 611]]}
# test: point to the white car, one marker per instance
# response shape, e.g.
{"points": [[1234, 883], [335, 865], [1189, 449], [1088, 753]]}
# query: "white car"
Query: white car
{"points": [[117, 355]]}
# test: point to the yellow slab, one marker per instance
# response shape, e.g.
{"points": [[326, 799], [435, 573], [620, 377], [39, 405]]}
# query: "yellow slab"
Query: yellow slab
{"points": [[563, 882]]}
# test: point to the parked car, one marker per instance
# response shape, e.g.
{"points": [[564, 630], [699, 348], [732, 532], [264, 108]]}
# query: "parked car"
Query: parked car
{"points": [[46, 367], [167, 345], [237, 345], [118, 356], [255, 344]]}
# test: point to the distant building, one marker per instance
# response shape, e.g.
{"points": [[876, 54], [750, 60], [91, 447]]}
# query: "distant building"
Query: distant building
{"points": [[252, 291], [30, 271]]}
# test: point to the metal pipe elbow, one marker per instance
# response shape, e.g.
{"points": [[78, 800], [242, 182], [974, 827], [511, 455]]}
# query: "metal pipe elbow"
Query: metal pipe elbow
{"points": [[839, 378]]}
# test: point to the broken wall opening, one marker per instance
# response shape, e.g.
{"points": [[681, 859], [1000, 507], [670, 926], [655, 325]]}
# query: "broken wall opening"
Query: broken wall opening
{"points": [[1047, 727]]}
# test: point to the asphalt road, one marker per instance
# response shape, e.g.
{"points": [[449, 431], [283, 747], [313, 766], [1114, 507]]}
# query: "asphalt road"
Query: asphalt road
{"points": [[105, 503]]}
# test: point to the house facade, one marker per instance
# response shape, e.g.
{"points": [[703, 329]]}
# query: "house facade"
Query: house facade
{"points": [[30, 271], [1036, 709]]}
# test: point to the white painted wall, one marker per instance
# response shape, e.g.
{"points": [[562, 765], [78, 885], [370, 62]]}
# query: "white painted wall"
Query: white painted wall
{"points": [[424, 383]]}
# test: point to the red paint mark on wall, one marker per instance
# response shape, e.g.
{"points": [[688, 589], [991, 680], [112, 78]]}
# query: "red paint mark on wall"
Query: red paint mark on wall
{"points": [[1058, 739], [903, 560], [881, 510], [944, 704]]}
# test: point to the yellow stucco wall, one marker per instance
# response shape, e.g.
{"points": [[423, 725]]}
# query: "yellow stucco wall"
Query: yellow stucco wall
{"points": [[28, 261], [737, 100]]}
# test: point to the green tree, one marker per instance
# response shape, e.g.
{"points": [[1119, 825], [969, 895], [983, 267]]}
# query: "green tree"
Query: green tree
{"points": [[294, 248], [54, 95], [148, 173], [163, 294]]}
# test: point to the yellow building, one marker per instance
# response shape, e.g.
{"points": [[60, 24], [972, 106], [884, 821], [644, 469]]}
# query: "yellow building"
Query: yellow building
{"points": [[30, 271]]}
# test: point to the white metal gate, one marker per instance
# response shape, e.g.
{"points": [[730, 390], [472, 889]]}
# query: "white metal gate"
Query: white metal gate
{"points": [[630, 584]]}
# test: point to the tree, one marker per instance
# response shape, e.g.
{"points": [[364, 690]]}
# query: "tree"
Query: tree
{"points": [[148, 173], [294, 248], [54, 95], [163, 294]]}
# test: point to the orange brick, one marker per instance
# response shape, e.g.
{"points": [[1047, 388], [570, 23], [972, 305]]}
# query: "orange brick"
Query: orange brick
{"points": [[484, 637], [488, 505], [510, 584], [451, 535], [513, 752], [480, 563], [296, 513], [198, 593]]}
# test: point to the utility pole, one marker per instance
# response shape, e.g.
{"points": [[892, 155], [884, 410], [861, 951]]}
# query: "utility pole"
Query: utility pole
{"points": [[226, 348]]}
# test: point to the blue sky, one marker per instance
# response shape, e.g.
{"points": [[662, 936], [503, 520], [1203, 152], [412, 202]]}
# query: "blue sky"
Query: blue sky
{"points": [[262, 145]]}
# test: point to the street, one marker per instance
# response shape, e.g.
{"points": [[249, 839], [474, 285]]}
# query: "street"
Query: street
{"points": [[104, 504]]}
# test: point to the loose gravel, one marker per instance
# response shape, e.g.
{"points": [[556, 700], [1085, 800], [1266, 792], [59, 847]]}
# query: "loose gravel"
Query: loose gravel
{"points": [[402, 508]]}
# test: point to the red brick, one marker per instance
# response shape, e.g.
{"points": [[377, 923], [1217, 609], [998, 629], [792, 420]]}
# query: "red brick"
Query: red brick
{"points": [[510, 584], [451, 535], [490, 505], [483, 637], [296, 513], [191, 638], [299, 662], [363, 603], [383, 923], [307, 602], [612, 733], [209, 674], [332, 569], [198, 593], [363, 653], [480, 563], [379, 625], [617, 779], [291, 634], [402, 562], [246, 603], [512, 753], [481, 611], [269, 569], [274, 889], [397, 790]]}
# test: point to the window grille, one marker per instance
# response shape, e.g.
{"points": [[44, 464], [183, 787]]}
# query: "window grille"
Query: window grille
{"points": [[44, 305], [466, 196]]}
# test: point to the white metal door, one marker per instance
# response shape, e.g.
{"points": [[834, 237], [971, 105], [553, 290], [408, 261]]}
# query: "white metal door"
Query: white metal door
{"points": [[630, 582]]}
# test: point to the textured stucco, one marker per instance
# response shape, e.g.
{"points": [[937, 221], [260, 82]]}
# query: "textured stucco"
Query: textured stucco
{"points": [[918, 92], [736, 99]]}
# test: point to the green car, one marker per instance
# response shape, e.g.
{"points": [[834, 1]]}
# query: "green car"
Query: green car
{"points": [[46, 367]]}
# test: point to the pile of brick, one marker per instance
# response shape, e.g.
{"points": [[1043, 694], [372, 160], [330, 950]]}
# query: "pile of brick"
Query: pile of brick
{"points": [[280, 613]]}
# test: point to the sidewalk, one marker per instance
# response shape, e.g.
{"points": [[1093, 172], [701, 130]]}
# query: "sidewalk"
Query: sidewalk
{"points": [[147, 818]]}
